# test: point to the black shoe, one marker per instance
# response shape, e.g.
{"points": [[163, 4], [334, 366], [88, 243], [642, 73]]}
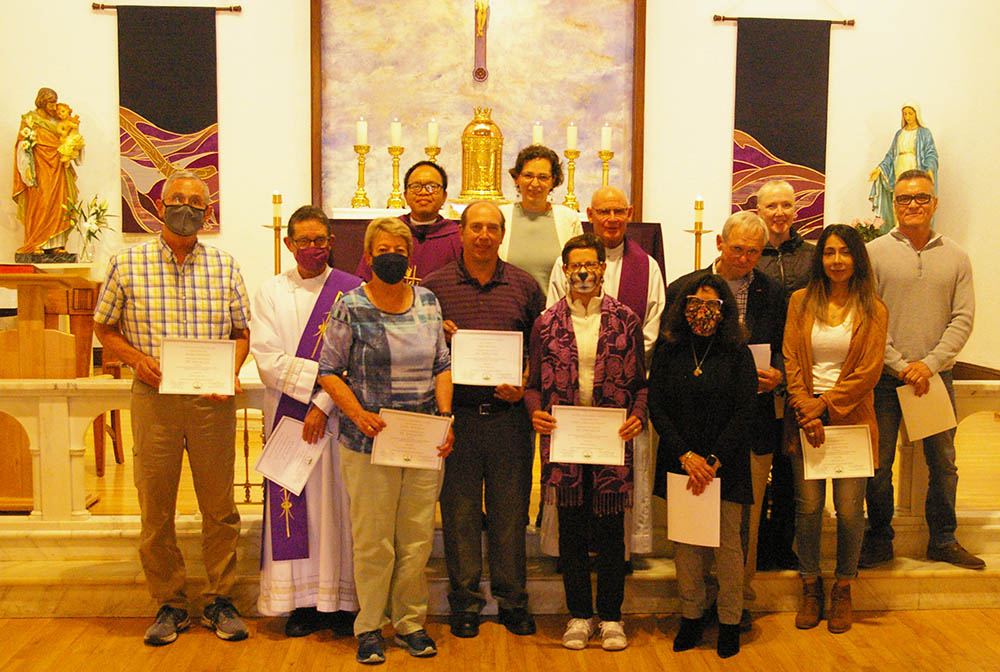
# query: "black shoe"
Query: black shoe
{"points": [[303, 621], [729, 640], [875, 552], [517, 621], [418, 644], [746, 621], [340, 622], [689, 634], [464, 624]]}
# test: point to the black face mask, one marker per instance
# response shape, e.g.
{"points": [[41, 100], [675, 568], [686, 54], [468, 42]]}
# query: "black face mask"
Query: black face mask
{"points": [[184, 220], [390, 267]]}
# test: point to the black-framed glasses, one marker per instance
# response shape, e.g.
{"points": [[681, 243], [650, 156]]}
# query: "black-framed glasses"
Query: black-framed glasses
{"points": [[583, 266], [919, 199], [698, 302], [424, 187], [319, 241]]}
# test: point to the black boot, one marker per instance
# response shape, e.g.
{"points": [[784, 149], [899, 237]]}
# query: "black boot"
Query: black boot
{"points": [[689, 634], [729, 640]]}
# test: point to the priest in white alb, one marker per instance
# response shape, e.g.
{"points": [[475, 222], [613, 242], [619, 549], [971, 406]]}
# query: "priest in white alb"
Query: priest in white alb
{"points": [[306, 556]]}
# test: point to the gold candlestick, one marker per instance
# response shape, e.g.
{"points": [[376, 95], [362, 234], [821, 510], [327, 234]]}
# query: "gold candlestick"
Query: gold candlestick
{"points": [[570, 201], [698, 231], [396, 197], [432, 153], [360, 199], [606, 156], [276, 225]]}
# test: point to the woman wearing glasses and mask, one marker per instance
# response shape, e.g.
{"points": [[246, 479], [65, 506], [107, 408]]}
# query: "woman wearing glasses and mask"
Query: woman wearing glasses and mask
{"points": [[702, 399], [586, 350], [536, 229]]}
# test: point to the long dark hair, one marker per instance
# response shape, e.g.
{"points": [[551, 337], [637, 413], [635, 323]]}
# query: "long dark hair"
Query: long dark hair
{"points": [[729, 332], [860, 288]]}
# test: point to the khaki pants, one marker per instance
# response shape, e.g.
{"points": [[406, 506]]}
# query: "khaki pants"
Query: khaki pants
{"points": [[163, 426], [392, 522], [760, 467]]}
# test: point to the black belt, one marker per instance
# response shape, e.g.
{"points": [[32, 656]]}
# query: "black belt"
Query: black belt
{"points": [[489, 408]]}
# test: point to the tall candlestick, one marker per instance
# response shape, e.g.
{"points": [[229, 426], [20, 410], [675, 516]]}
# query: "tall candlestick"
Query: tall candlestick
{"points": [[360, 199], [396, 133], [571, 136], [361, 132], [606, 137], [536, 134], [276, 225], [570, 201], [396, 196], [432, 133], [698, 231], [605, 155]]}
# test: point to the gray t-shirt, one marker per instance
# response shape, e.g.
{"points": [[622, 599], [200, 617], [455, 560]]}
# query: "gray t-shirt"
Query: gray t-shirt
{"points": [[534, 244]]}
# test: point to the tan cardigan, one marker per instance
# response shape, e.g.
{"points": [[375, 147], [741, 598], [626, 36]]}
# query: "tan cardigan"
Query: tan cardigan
{"points": [[850, 401]]}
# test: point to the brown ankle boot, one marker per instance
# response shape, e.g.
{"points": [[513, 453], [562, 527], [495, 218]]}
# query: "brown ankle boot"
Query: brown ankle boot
{"points": [[811, 608], [840, 609]]}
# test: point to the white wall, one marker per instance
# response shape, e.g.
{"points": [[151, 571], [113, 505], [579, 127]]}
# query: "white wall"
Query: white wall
{"points": [[942, 54]]}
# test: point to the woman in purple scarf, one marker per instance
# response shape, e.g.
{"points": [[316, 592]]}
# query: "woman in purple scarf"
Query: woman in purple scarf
{"points": [[587, 350]]}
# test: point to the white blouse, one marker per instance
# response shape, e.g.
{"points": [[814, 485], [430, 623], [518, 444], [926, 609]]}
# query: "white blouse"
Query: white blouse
{"points": [[829, 348]]}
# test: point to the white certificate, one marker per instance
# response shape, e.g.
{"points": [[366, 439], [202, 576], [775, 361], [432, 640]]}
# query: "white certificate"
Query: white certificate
{"points": [[588, 435], [480, 357], [927, 415], [287, 459], [761, 355], [846, 452], [693, 519], [410, 440], [198, 366]]}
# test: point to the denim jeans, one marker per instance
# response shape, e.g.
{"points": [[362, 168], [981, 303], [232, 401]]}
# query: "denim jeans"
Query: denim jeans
{"points": [[848, 498], [939, 451]]}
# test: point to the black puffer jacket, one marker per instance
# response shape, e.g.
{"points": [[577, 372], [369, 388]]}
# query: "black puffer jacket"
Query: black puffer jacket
{"points": [[789, 263]]}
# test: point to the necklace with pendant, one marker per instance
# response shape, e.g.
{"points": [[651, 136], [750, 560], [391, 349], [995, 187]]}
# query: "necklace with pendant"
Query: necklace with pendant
{"points": [[697, 362]]}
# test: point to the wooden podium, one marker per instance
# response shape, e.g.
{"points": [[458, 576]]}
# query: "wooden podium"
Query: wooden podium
{"points": [[35, 349]]}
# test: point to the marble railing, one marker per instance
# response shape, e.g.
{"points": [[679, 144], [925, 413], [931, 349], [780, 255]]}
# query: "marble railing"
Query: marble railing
{"points": [[55, 414]]}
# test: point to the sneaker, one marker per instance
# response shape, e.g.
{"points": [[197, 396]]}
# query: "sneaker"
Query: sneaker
{"points": [[418, 644], [612, 635], [169, 622], [371, 650], [954, 554], [578, 631], [222, 617]]}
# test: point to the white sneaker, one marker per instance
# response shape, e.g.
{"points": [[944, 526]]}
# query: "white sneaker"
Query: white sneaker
{"points": [[578, 631], [613, 635]]}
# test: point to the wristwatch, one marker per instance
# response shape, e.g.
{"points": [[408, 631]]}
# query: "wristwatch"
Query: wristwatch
{"points": [[444, 414], [712, 461]]}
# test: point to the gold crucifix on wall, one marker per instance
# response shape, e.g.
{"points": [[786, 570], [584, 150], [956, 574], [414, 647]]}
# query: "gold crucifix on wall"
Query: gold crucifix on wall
{"points": [[479, 71]]}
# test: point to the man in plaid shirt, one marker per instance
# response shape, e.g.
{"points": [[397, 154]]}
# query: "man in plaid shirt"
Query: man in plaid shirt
{"points": [[174, 286]]}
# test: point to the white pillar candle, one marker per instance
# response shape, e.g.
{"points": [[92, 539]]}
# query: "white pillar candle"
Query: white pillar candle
{"points": [[606, 138], [571, 136], [536, 133], [699, 208], [361, 132], [432, 133], [276, 204], [396, 133]]}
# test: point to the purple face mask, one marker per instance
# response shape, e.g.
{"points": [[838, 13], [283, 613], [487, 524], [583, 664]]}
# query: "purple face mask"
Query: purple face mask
{"points": [[312, 259]]}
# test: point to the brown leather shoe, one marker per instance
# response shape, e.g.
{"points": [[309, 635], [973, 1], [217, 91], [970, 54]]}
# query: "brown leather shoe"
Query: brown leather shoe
{"points": [[954, 553], [811, 608], [841, 613]]}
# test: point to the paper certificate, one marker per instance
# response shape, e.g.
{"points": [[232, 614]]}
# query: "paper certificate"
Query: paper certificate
{"points": [[410, 440], [761, 355], [287, 459], [487, 357], [198, 366], [927, 415], [588, 435], [846, 453], [693, 519]]}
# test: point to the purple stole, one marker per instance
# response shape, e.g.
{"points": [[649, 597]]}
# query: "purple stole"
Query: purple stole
{"points": [[633, 287], [289, 518]]}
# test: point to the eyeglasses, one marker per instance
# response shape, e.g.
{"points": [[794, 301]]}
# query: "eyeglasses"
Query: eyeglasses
{"points": [[424, 187], [906, 199], [698, 302], [321, 241], [492, 229], [586, 265], [528, 177], [607, 212]]}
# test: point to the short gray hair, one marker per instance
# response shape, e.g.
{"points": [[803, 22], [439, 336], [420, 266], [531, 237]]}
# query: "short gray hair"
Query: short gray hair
{"points": [[185, 175], [392, 226], [744, 220], [773, 185]]}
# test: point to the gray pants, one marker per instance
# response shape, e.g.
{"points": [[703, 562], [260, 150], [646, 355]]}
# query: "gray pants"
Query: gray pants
{"points": [[692, 565]]}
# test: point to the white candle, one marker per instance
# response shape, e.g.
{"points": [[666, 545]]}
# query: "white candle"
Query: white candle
{"points": [[606, 138], [432, 133], [571, 136], [361, 132], [699, 208], [276, 204], [396, 133], [536, 133]]}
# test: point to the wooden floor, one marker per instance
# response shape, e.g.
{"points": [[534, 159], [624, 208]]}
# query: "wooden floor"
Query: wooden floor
{"points": [[914, 641]]}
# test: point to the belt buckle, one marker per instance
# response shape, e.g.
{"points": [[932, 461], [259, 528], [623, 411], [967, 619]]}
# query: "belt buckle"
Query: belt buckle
{"points": [[484, 409]]}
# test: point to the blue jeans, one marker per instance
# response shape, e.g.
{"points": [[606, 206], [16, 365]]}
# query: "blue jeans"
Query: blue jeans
{"points": [[939, 451], [848, 500]]}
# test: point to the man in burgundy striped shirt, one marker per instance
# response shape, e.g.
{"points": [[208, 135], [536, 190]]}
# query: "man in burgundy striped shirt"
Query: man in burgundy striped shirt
{"points": [[492, 431]]}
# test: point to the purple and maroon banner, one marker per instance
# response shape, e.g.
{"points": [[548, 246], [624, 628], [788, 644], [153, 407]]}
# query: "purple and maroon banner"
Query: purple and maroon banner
{"points": [[168, 116], [779, 126]]}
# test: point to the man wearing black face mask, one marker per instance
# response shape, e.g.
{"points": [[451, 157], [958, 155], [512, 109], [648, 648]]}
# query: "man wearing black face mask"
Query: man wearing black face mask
{"points": [[174, 286], [306, 567]]}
